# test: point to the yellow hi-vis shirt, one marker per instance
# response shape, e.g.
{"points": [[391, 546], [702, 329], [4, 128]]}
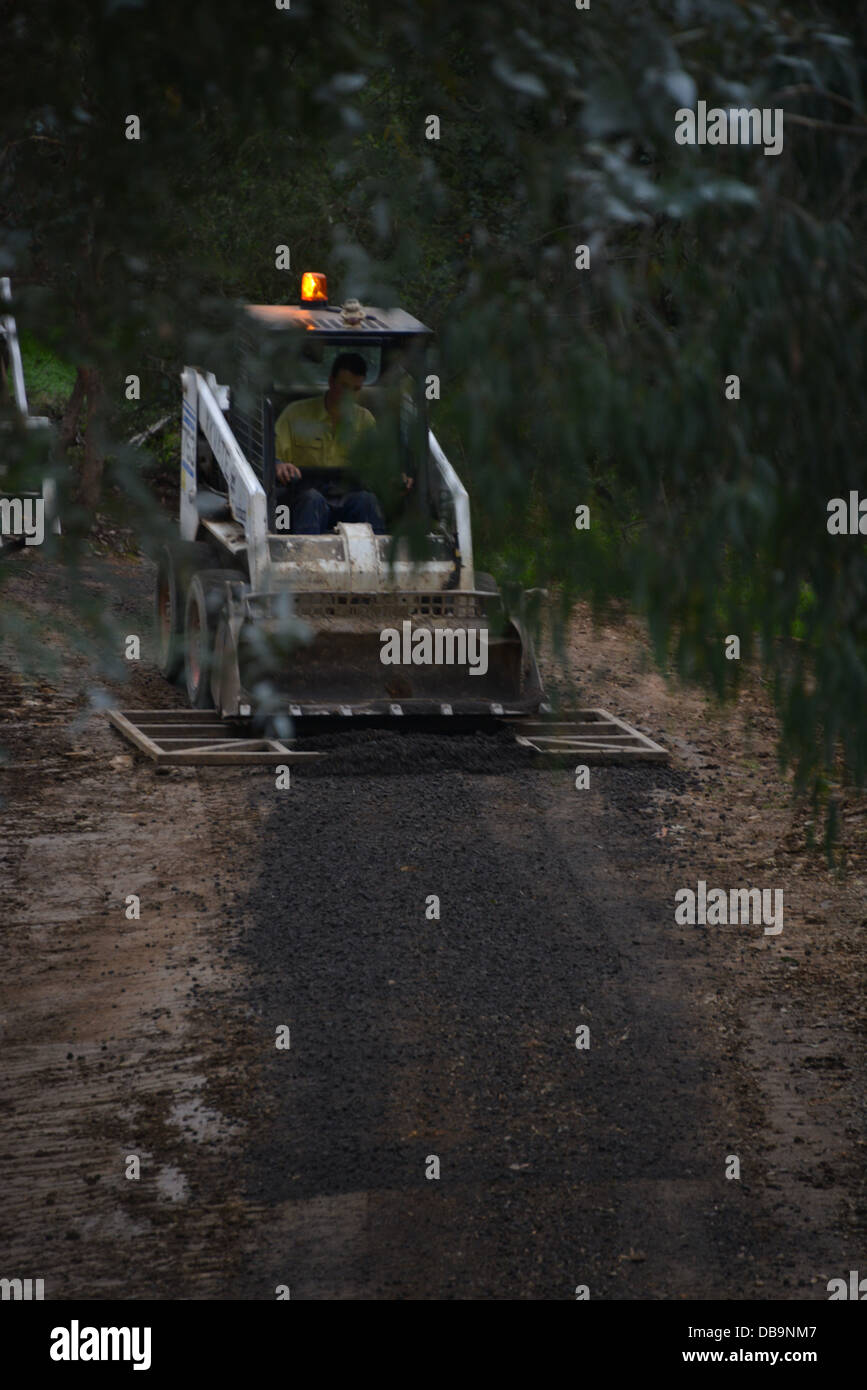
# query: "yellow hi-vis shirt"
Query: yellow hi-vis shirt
{"points": [[305, 436]]}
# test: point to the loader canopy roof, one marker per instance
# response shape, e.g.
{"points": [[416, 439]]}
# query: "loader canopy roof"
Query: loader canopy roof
{"points": [[291, 347], [376, 323]]}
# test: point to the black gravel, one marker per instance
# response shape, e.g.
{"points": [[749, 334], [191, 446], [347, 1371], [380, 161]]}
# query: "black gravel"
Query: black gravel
{"points": [[456, 1037], [385, 754]]}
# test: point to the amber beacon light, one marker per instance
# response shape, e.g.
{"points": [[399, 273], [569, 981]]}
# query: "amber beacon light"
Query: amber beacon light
{"points": [[314, 288]]}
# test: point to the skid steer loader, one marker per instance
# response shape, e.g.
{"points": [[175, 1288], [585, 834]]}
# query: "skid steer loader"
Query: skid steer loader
{"points": [[263, 622]]}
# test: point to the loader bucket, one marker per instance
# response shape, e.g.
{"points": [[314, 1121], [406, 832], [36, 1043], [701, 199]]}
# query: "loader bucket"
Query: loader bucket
{"points": [[434, 663]]}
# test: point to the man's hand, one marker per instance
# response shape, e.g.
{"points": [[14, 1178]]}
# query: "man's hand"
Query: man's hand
{"points": [[407, 481], [286, 472]]}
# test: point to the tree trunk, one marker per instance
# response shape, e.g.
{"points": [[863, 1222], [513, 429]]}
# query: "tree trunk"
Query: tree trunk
{"points": [[91, 471], [71, 414]]}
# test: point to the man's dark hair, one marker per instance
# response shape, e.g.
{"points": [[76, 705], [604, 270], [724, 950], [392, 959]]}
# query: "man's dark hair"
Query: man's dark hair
{"points": [[350, 362]]}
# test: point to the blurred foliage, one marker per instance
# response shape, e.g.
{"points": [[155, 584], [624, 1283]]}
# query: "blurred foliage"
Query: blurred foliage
{"points": [[560, 386]]}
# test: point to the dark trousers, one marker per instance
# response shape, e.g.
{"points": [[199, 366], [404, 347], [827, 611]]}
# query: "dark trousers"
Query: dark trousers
{"points": [[312, 514]]}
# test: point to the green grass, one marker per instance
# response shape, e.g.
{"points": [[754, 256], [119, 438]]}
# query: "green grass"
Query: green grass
{"points": [[47, 378]]}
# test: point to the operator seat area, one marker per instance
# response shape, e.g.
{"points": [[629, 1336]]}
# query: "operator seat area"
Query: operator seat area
{"points": [[372, 398]]}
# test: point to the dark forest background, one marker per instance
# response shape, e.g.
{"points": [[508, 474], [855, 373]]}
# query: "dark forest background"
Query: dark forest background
{"points": [[305, 126]]}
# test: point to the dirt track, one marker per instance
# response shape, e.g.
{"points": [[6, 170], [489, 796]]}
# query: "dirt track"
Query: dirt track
{"points": [[413, 1037]]}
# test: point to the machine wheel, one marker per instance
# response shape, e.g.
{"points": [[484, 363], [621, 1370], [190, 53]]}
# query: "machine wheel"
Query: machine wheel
{"points": [[176, 564], [201, 616], [486, 583]]}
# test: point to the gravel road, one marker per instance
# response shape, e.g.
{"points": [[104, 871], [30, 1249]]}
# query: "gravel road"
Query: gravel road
{"points": [[455, 1038], [432, 1131]]}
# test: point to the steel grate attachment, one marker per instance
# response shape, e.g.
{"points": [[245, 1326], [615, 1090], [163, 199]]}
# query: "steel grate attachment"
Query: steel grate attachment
{"points": [[593, 735], [190, 737]]}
